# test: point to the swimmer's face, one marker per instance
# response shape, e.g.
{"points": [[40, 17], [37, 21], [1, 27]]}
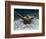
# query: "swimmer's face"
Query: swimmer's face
{"points": [[27, 16]]}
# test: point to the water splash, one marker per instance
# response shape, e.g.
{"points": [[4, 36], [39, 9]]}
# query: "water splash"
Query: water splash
{"points": [[19, 25]]}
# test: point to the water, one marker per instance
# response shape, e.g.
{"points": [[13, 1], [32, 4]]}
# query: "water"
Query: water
{"points": [[19, 25]]}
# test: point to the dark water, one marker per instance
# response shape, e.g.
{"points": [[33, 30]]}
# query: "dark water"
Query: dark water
{"points": [[24, 12]]}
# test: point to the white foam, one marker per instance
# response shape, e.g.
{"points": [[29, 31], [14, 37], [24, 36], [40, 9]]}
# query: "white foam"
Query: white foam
{"points": [[19, 25]]}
